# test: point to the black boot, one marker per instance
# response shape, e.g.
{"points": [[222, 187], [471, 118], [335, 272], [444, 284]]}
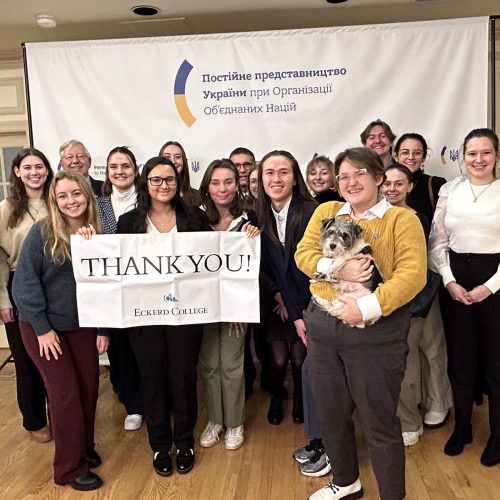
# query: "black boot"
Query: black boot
{"points": [[298, 407], [491, 454], [461, 436], [275, 413]]}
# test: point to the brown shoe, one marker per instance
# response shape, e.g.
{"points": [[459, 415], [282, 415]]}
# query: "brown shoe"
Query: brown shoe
{"points": [[41, 436]]}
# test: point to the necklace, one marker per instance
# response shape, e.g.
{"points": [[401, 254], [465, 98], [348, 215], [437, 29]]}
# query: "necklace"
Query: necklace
{"points": [[37, 210], [163, 224], [476, 196]]}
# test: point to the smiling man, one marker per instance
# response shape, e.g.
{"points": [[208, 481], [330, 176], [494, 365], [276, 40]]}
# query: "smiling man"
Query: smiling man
{"points": [[244, 160], [75, 156], [379, 137]]}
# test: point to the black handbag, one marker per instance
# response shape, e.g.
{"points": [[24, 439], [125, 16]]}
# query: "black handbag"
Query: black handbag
{"points": [[420, 305]]}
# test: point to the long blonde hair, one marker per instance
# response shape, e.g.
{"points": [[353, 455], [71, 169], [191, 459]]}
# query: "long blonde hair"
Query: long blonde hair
{"points": [[55, 231]]}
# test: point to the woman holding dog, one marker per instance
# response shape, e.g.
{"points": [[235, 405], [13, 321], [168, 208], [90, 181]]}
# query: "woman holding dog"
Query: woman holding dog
{"points": [[353, 367], [465, 249]]}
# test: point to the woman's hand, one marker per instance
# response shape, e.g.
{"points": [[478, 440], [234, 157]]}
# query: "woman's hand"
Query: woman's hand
{"points": [[7, 315], [102, 344], [86, 231], [301, 330], [49, 343], [479, 293], [280, 309], [458, 293], [349, 313], [357, 269], [251, 231]]}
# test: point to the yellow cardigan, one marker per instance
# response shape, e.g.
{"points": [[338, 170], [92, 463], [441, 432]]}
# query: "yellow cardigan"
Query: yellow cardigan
{"points": [[398, 246]]}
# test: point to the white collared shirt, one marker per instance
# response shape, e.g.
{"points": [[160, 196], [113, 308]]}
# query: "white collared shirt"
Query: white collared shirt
{"points": [[281, 218], [368, 304]]}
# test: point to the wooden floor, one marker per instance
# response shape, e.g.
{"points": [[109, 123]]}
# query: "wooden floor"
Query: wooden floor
{"points": [[262, 469]]}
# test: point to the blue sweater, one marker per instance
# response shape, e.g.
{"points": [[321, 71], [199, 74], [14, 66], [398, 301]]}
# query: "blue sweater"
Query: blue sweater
{"points": [[44, 292]]}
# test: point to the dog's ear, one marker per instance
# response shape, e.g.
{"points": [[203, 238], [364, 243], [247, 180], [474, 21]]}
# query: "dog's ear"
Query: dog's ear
{"points": [[357, 230], [326, 223]]}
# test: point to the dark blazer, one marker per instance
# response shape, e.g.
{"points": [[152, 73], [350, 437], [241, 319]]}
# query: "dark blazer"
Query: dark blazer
{"points": [[187, 219], [96, 186], [279, 263], [419, 199]]}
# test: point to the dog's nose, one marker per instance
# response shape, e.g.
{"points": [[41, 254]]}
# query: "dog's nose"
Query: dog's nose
{"points": [[332, 246]]}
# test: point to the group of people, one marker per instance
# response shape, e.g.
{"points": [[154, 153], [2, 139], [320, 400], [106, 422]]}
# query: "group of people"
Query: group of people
{"points": [[419, 328]]}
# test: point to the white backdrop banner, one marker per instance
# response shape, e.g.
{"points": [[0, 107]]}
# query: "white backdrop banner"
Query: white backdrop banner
{"points": [[306, 91], [183, 278]]}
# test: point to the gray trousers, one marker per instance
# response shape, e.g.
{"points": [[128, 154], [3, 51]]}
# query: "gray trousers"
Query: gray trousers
{"points": [[360, 368]]}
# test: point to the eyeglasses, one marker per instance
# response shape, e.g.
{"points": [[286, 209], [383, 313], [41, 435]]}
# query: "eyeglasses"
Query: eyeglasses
{"points": [[79, 157], [405, 153], [246, 165], [358, 174], [253, 182], [158, 181]]}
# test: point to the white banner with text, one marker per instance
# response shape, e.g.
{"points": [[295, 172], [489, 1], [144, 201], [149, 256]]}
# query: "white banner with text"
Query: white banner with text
{"points": [[307, 91], [171, 279]]}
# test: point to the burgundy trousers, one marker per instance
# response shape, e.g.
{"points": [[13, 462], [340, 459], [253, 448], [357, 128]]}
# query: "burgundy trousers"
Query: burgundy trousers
{"points": [[72, 384]]}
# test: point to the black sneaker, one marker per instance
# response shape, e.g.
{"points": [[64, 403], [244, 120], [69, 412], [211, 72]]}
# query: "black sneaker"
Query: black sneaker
{"points": [[313, 449], [316, 467], [162, 463]]}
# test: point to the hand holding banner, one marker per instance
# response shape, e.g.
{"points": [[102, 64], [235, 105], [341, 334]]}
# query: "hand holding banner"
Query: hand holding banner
{"points": [[178, 278]]}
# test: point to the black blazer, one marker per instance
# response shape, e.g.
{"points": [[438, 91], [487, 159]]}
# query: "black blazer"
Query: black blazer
{"points": [[187, 219], [96, 186], [279, 263]]}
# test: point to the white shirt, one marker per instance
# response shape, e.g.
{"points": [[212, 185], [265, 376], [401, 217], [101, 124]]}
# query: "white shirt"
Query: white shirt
{"points": [[123, 202], [368, 304], [465, 226], [281, 218]]}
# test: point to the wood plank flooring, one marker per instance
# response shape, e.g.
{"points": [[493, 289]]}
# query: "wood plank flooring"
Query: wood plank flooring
{"points": [[262, 469]]}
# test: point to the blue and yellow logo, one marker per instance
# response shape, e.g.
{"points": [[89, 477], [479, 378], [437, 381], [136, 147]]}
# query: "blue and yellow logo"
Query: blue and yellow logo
{"points": [[180, 93]]}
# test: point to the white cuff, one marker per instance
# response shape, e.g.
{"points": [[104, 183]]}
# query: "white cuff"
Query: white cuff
{"points": [[369, 307], [447, 275], [323, 265]]}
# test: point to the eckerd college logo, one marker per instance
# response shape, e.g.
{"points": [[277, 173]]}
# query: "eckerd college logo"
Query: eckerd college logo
{"points": [[170, 298]]}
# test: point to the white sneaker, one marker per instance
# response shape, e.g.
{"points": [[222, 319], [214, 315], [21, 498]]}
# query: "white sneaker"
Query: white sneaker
{"points": [[411, 438], [333, 492], [210, 435], [132, 422], [234, 437], [435, 419]]}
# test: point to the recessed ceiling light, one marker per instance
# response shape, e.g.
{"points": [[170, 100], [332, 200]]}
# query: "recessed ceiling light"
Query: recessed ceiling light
{"points": [[145, 10], [46, 21], [336, 1]]}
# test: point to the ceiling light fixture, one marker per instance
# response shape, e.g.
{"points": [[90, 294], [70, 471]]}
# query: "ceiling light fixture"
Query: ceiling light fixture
{"points": [[145, 10], [336, 1], [46, 21]]}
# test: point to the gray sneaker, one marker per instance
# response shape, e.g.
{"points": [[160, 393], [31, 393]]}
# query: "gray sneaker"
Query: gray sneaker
{"points": [[316, 467], [311, 450]]}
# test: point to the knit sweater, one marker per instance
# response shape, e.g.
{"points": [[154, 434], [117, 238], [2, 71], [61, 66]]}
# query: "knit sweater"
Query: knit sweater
{"points": [[44, 292], [398, 247], [11, 241]]}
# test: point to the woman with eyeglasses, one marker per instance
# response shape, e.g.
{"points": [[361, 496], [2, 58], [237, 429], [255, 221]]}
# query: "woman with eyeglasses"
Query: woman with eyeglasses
{"points": [[119, 195], [362, 368], [427, 369], [167, 355], [66, 355], [30, 179], [174, 152]]}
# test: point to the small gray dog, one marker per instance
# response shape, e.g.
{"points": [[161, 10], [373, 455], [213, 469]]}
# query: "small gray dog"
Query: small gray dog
{"points": [[341, 240]]}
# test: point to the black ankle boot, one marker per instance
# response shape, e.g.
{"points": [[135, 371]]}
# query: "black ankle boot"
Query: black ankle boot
{"points": [[275, 413], [491, 454], [298, 408], [461, 436]]}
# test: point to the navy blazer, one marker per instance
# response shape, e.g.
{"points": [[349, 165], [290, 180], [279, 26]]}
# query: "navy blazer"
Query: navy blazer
{"points": [[279, 263]]}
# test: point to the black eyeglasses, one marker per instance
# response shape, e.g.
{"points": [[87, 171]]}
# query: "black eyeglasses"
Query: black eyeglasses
{"points": [[245, 165], [158, 181]]}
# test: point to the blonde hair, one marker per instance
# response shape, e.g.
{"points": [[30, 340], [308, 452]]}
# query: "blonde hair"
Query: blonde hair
{"points": [[72, 142], [55, 231]]}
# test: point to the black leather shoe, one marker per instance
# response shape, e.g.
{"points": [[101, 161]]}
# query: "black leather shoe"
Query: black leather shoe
{"points": [[185, 460], [460, 437], [92, 458], [491, 454], [87, 482], [162, 463], [275, 413], [298, 408]]}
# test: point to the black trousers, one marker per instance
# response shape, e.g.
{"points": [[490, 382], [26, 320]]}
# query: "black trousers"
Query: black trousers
{"points": [[360, 368], [473, 334], [31, 395], [167, 358], [124, 371]]}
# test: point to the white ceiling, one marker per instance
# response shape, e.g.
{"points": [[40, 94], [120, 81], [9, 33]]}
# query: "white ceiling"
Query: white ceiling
{"points": [[94, 19]]}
